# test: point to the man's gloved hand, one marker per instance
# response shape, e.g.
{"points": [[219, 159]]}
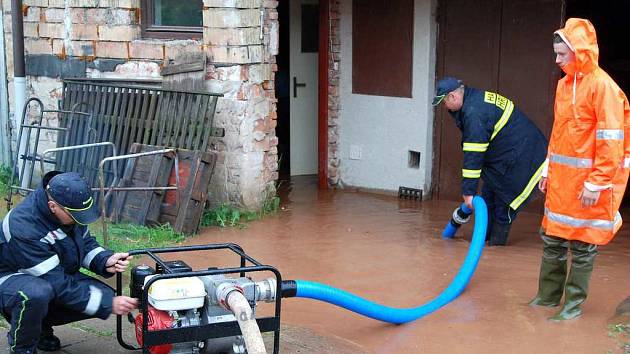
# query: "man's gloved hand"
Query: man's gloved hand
{"points": [[122, 305], [468, 201], [588, 197], [118, 262], [542, 184]]}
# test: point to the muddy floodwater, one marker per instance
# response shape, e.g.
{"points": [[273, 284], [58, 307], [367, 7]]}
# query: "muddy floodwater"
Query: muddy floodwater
{"points": [[391, 251]]}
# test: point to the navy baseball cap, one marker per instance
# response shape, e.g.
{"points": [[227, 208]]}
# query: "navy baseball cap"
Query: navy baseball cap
{"points": [[444, 87], [72, 192]]}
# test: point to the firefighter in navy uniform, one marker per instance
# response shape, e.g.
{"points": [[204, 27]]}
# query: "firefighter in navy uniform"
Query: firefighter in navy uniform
{"points": [[501, 146], [44, 241]]}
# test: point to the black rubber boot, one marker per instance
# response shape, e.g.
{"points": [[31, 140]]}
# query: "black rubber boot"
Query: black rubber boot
{"points": [[553, 274], [499, 234], [48, 342], [23, 351]]}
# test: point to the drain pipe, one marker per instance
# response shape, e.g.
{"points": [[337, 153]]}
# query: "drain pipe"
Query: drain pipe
{"points": [[233, 300], [19, 78], [344, 299]]}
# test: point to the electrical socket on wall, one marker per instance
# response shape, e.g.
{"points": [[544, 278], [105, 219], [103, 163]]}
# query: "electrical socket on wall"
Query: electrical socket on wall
{"points": [[355, 152]]}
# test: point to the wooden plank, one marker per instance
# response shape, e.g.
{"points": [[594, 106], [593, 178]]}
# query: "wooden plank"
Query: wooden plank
{"points": [[115, 116], [184, 214], [143, 207], [152, 181], [122, 117], [93, 154], [176, 109], [155, 97], [162, 116], [207, 132], [131, 117], [196, 123], [188, 119], [142, 118], [170, 119], [180, 123], [108, 122], [183, 68]]}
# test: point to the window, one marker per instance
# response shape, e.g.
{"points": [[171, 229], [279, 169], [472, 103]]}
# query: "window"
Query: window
{"points": [[382, 47], [172, 18]]}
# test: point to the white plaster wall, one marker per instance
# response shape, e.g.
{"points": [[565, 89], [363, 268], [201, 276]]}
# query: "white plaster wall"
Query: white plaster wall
{"points": [[386, 128]]}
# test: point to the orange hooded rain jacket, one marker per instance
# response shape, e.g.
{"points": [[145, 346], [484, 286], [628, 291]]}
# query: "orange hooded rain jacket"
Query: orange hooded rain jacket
{"points": [[589, 145]]}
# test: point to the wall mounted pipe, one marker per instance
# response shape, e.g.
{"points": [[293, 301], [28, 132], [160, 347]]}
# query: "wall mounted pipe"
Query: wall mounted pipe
{"points": [[344, 299], [19, 67]]}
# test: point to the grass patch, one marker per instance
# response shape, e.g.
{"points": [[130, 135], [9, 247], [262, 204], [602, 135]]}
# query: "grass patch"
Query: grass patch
{"points": [[91, 330], [125, 237], [621, 333], [229, 216], [226, 216], [5, 177]]}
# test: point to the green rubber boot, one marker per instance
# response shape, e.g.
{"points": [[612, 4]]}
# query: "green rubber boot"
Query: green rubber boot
{"points": [[575, 295], [553, 274], [578, 280]]}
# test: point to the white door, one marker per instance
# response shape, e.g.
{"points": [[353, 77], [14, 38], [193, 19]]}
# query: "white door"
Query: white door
{"points": [[303, 83]]}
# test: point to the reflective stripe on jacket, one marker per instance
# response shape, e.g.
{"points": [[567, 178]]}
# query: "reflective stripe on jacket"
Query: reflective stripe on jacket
{"points": [[500, 145], [33, 242], [588, 145]]}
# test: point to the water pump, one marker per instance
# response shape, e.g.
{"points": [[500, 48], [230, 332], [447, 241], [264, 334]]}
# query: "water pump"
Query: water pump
{"points": [[186, 311]]}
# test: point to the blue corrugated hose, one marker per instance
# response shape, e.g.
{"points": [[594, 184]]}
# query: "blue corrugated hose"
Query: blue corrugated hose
{"points": [[317, 291]]}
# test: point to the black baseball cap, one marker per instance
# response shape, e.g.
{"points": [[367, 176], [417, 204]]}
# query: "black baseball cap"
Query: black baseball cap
{"points": [[444, 87], [73, 193]]}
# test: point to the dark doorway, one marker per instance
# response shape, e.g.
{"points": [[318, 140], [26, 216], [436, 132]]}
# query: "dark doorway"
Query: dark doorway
{"points": [[497, 45], [282, 92], [611, 22]]}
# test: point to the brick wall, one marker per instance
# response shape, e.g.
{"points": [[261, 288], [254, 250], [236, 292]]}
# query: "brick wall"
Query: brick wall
{"points": [[241, 65], [102, 38]]}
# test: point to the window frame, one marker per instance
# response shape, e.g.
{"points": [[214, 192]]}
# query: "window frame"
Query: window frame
{"points": [[149, 30]]}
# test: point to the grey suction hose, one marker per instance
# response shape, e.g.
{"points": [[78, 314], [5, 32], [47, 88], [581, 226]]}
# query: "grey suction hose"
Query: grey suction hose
{"points": [[249, 327]]}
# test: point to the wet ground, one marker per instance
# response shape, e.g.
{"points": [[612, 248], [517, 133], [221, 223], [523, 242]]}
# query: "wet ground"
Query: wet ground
{"points": [[390, 251]]}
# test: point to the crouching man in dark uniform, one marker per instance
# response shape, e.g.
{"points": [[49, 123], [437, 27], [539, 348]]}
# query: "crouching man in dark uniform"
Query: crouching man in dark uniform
{"points": [[501, 146], [44, 242]]}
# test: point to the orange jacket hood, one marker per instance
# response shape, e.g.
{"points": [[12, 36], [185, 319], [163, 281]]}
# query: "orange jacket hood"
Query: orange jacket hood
{"points": [[580, 36]]}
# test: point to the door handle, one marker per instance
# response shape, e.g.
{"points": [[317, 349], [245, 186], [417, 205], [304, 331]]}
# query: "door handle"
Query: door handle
{"points": [[296, 85]]}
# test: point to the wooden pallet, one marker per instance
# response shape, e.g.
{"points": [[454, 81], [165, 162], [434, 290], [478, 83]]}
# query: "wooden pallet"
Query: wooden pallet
{"points": [[160, 207], [143, 207], [195, 172]]}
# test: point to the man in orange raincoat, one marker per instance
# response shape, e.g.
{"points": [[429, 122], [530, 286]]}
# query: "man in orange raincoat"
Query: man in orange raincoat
{"points": [[588, 162]]}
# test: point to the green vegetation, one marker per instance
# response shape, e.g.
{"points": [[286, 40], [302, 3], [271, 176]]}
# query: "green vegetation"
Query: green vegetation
{"points": [[5, 176], [225, 215], [228, 216], [95, 331], [621, 333], [124, 237]]}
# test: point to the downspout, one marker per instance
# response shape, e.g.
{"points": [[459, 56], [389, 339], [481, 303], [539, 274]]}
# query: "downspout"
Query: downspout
{"points": [[19, 78], [5, 128]]}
